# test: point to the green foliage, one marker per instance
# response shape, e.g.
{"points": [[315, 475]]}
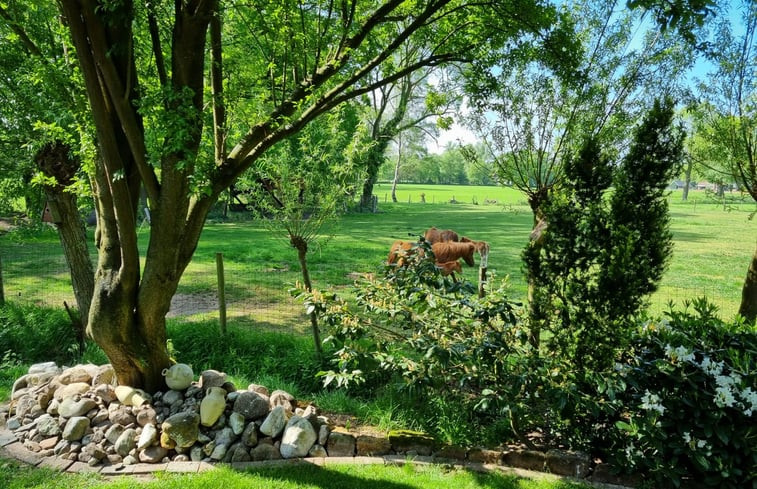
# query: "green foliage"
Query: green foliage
{"points": [[602, 256], [249, 357], [37, 334], [690, 404]]}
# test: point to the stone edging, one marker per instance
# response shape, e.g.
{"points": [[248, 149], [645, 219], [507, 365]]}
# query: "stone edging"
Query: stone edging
{"points": [[11, 448]]}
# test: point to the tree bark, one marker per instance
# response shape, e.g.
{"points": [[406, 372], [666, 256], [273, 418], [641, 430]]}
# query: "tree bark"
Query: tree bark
{"points": [[748, 307], [55, 161], [301, 245]]}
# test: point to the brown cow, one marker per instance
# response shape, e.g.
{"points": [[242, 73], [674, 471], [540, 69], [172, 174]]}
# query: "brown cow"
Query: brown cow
{"points": [[451, 251], [400, 250], [449, 267], [434, 235]]}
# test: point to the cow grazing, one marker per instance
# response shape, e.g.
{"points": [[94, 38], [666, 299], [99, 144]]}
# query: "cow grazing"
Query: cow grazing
{"points": [[447, 268], [451, 251], [400, 250], [434, 235]]}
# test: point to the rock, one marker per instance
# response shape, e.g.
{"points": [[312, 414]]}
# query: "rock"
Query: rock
{"points": [[317, 451], [264, 452], [13, 423], [250, 435], [152, 455], [341, 444], [130, 460], [369, 445], [148, 436], [182, 428], [212, 378], [94, 452], [105, 392], [299, 436], [70, 407], [282, 398], [48, 426], [114, 432], [323, 434], [237, 423], [100, 417], [104, 375], [452, 452], [75, 375], [573, 464], [219, 451], [126, 442], [45, 367], [71, 390], [225, 437], [240, 454], [260, 389], [525, 459], [196, 454], [75, 428], [120, 414], [49, 443], [484, 456], [146, 415], [274, 423], [62, 447], [403, 441], [251, 405], [171, 397]]}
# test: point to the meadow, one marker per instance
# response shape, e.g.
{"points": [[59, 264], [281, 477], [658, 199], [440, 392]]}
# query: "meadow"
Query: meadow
{"points": [[713, 244]]}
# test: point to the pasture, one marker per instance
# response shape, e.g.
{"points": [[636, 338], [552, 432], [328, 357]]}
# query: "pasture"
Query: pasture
{"points": [[714, 242]]}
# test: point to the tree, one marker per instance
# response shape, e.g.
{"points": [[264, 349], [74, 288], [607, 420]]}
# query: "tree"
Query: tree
{"points": [[396, 108], [728, 122], [604, 251], [41, 116], [180, 111], [530, 119], [304, 183]]}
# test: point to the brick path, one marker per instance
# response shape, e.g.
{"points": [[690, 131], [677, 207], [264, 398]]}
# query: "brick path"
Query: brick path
{"points": [[11, 448]]}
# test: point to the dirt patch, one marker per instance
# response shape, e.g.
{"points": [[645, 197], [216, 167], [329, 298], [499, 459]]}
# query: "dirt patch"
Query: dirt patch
{"points": [[190, 304]]}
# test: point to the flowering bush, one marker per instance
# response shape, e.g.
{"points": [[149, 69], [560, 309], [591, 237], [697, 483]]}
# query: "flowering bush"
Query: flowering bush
{"points": [[691, 401]]}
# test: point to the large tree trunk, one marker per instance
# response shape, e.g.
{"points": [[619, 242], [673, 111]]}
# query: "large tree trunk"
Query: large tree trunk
{"points": [[748, 307], [55, 160], [127, 313]]}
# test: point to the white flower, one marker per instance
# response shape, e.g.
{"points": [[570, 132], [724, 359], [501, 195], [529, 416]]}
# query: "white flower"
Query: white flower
{"points": [[710, 367], [750, 400], [686, 437], [724, 397], [651, 402], [679, 353]]}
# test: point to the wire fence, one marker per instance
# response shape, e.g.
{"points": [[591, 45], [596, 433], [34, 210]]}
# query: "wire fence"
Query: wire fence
{"points": [[256, 294]]}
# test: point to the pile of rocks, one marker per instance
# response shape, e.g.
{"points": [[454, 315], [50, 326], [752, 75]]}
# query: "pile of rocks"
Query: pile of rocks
{"points": [[80, 414]]}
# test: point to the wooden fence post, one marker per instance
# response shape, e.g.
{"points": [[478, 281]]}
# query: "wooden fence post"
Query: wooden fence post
{"points": [[482, 274], [221, 292]]}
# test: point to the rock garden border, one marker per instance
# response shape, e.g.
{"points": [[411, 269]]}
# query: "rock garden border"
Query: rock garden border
{"points": [[76, 419]]}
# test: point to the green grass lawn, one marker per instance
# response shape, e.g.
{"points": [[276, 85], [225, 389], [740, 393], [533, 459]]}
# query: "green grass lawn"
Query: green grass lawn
{"points": [[713, 246], [13, 476]]}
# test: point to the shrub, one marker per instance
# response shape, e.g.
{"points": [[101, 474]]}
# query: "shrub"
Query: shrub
{"points": [[691, 400]]}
